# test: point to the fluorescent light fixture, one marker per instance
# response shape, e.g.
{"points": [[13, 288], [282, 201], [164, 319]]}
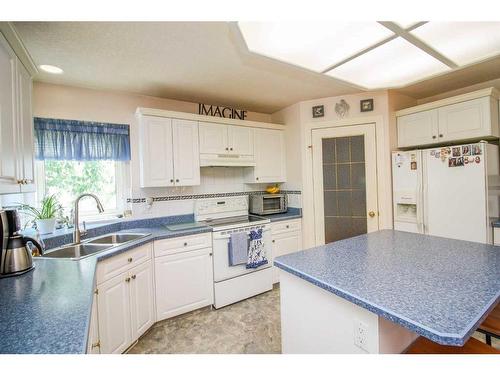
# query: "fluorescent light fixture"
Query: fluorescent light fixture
{"points": [[393, 64], [52, 69], [314, 45], [462, 42]]}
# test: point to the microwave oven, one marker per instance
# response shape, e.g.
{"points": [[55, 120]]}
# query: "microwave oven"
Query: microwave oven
{"points": [[267, 204]]}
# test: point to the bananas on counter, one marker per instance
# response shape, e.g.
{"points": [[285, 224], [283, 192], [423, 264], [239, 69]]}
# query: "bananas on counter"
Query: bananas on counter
{"points": [[273, 189]]}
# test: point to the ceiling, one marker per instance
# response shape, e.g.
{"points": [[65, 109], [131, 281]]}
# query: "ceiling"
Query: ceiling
{"points": [[195, 61]]}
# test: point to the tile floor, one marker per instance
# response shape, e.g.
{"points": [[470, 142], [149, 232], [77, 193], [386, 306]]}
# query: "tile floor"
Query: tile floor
{"points": [[251, 326]]}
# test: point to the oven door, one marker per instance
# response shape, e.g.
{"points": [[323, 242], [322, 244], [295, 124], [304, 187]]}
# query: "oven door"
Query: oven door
{"points": [[222, 269]]}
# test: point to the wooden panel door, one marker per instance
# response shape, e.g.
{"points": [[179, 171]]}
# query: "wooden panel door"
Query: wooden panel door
{"points": [[142, 304], [25, 129], [9, 173], [418, 128], [241, 140], [157, 167], [113, 309], [186, 154], [285, 243], [213, 138], [269, 156], [184, 282], [470, 119]]}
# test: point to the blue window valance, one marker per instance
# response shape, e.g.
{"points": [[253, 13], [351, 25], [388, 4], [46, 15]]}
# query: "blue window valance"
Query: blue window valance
{"points": [[57, 139]]}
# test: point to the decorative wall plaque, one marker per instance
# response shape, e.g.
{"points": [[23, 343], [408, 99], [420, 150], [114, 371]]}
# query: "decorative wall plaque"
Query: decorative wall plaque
{"points": [[342, 108]]}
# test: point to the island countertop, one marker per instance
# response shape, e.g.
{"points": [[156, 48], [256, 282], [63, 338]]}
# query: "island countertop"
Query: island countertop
{"points": [[437, 287]]}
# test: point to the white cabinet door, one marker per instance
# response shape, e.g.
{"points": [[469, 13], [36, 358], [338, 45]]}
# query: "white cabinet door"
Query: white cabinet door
{"points": [[25, 129], [9, 168], [142, 304], [213, 138], [418, 128], [285, 243], [93, 344], [156, 152], [269, 157], [186, 152], [113, 305], [241, 140], [470, 119], [184, 282]]}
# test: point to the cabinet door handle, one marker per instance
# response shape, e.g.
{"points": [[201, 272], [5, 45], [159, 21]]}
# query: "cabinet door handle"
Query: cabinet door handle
{"points": [[171, 180], [273, 241], [433, 137], [127, 279], [177, 180], [133, 277], [185, 243], [227, 148], [256, 178], [440, 136], [231, 149], [130, 260], [288, 226]]}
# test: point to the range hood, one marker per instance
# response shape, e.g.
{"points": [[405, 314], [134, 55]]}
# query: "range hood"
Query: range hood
{"points": [[225, 160]]}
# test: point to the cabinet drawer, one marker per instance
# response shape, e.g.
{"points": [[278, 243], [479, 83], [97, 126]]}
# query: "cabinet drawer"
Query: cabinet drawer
{"points": [[286, 226], [181, 244], [118, 264]]}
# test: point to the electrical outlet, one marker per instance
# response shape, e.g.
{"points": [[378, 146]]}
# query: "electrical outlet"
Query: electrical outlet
{"points": [[361, 335]]}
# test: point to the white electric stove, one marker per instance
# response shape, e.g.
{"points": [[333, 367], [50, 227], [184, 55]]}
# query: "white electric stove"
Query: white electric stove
{"points": [[226, 216]]}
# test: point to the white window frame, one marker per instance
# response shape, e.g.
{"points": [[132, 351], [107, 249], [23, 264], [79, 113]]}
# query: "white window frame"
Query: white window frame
{"points": [[122, 181]]}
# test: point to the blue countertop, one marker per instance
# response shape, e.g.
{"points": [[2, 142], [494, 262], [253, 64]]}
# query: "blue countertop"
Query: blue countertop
{"points": [[292, 213], [48, 310], [437, 287]]}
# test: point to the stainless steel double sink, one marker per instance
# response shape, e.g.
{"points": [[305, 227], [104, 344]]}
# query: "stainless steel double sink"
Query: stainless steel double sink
{"points": [[93, 246]]}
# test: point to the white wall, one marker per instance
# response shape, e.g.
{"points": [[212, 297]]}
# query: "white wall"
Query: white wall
{"points": [[65, 102]]}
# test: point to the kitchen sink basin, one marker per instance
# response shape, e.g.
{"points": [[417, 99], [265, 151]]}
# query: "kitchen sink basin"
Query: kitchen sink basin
{"points": [[80, 251], [92, 246], [116, 238]]}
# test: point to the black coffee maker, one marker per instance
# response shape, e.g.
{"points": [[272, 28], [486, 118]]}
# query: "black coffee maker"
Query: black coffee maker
{"points": [[16, 253]]}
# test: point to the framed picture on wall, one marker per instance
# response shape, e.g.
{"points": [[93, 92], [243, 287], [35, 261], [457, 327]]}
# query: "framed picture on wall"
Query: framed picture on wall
{"points": [[318, 111], [366, 105]]}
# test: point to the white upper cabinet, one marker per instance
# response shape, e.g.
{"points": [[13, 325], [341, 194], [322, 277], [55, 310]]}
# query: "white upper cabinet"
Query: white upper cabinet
{"points": [[241, 140], [467, 117], [226, 145], [213, 138], [8, 129], [169, 154], [270, 165], [186, 152], [418, 128]]}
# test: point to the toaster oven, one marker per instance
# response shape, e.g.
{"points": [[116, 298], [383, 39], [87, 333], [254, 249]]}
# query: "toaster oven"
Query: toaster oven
{"points": [[267, 204]]}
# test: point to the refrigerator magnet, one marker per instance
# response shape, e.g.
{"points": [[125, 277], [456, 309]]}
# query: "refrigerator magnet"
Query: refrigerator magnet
{"points": [[433, 152], [452, 162], [466, 160], [478, 159], [456, 151], [466, 150], [476, 150], [460, 162], [413, 165]]}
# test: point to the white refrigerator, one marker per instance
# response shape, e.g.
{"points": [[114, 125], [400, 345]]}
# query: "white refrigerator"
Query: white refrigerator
{"points": [[445, 191]]}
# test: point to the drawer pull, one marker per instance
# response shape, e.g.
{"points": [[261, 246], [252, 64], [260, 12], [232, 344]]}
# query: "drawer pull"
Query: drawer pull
{"points": [[127, 279], [185, 243], [273, 241], [288, 226], [130, 260]]}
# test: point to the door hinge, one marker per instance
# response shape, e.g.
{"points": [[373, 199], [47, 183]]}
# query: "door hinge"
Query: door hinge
{"points": [[310, 146], [97, 344], [96, 291]]}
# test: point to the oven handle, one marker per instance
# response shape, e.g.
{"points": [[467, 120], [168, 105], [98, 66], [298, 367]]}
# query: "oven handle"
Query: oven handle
{"points": [[226, 236]]}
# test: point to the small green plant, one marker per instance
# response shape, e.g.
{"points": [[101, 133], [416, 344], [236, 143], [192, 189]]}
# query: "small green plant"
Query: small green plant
{"points": [[50, 209]]}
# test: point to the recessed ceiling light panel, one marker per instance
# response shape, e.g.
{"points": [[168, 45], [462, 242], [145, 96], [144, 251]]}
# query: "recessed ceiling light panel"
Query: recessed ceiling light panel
{"points": [[52, 69], [393, 64], [314, 45], [462, 42]]}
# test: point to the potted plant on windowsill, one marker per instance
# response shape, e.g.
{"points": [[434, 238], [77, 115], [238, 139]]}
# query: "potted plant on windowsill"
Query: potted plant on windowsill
{"points": [[44, 217]]}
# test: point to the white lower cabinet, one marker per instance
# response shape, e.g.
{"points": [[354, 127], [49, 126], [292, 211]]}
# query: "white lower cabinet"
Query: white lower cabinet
{"points": [[184, 282], [286, 238], [125, 299]]}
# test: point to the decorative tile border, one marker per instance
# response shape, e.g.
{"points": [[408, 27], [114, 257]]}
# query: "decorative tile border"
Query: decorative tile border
{"points": [[202, 196]]}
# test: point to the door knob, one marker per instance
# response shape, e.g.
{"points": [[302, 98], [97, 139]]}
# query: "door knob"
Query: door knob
{"points": [[371, 214]]}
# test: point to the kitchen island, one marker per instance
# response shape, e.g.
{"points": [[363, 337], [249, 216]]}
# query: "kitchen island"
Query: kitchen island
{"points": [[376, 293]]}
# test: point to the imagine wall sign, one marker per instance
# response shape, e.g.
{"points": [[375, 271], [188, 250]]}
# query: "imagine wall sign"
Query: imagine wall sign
{"points": [[225, 112]]}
